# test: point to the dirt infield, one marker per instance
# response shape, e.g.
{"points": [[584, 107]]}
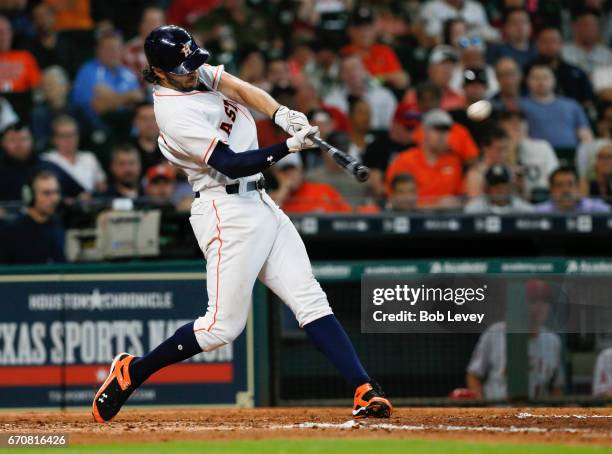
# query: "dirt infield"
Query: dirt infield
{"points": [[521, 425]]}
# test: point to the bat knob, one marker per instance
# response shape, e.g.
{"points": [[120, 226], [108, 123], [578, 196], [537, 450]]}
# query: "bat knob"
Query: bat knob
{"points": [[362, 173]]}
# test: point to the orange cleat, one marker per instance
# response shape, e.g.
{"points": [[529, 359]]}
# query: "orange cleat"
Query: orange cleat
{"points": [[115, 390], [370, 402]]}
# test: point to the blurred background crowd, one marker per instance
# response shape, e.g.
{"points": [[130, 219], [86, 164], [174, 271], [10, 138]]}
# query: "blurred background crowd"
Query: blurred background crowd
{"points": [[388, 81]]}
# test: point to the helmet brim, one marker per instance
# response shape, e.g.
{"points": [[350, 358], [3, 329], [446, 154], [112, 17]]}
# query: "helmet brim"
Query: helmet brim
{"points": [[193, 62]]}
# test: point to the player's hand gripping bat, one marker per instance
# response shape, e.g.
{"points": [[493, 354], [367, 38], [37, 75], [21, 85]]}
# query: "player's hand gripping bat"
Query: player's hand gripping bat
{"points": [[348, 163]]}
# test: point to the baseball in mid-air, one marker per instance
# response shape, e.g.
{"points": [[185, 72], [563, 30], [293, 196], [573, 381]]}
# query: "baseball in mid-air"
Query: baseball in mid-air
{"points": [[479, 111]]}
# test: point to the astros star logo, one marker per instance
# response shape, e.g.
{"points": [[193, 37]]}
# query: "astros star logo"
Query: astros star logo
{"points": [[186, 50]]}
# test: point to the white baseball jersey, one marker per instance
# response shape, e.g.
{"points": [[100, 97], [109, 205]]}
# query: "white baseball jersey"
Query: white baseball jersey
{"points": [[489, 362], [192, 124], [602, 375], [243, 236]]}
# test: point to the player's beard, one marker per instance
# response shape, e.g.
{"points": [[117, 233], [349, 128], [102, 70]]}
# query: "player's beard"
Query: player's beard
{"points": [[183, 84]]}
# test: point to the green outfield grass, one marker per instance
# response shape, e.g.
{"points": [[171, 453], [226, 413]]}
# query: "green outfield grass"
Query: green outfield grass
{"points": [[341, 446]]}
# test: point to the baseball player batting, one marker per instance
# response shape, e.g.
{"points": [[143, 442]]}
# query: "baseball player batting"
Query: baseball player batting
{"points": [[207, 131]]}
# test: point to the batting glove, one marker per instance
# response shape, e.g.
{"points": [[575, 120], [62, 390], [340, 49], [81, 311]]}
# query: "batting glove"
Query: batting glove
{"points": [[302, 139], [291, 121]]}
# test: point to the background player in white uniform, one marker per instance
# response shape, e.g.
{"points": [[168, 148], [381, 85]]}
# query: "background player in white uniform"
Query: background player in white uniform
{"points": [[602, 375], [206, 130], [486, 372]]}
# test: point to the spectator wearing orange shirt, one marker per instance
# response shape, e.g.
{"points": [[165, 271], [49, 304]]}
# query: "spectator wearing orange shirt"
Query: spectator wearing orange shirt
{"points": [[379, 59], [295, 195], [442, 63], [436, 170], [72, 14], [19, 72], [460, 140]]}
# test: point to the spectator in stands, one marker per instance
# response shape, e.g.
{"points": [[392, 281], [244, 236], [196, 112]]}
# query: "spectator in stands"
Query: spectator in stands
{"points": [[125, 173], [253, 69], [359, 135], [82, 166], [602, 375], [17, 161], [571, 80], [536, 159], [495, 151], [517, 43], [510, 77], [307, 99], [36, 235], [475, 89], [586, 51], [296, 195], [74, 15], [403, 195], [565, 196], [145, 137], [7, 114], [460, 140], [601, 184], [159, 186], [324, 70], [499, 195], [436, 170], [19, 72], [358, 84], [435, 12], [486, 373], [133, 56], [49, 47], [103, 84], [379, 60], [559, 120], [54, 92], [472, 55], [454, 30]]}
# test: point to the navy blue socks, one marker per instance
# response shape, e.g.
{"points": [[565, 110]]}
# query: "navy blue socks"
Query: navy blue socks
{"points": [[179, 347], [330, 338]]}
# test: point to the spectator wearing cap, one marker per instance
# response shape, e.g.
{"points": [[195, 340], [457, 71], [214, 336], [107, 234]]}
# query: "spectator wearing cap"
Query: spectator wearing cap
{"points": [[297, 195], [586, 50], [499, 194], [571, 80], [359, 84], [437, 171], [487, 373], [328, 171], [565, 196], [475, 89], [403, 195], [159, 186], [495, 151], [37, 234], [103, 85], [601, 184], [133, 56], [379, 60], [472, 55], [517, 43], [323, 71], [125, 171], [436, 12], [19, 72], [559, 120], [146, 132], [535, 158], [82, 166], [510, 77], [460, 140], [442, 63]]}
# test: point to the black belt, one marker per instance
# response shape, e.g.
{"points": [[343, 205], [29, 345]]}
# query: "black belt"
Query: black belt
{"points": [[234, 188]]}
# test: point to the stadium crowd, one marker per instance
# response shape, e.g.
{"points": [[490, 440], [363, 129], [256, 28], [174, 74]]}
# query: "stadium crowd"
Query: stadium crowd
{"points": [[389, 81]]}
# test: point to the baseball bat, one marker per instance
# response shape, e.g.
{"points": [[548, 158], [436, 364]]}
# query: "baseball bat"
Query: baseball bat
{"points": [[348, 163]]}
